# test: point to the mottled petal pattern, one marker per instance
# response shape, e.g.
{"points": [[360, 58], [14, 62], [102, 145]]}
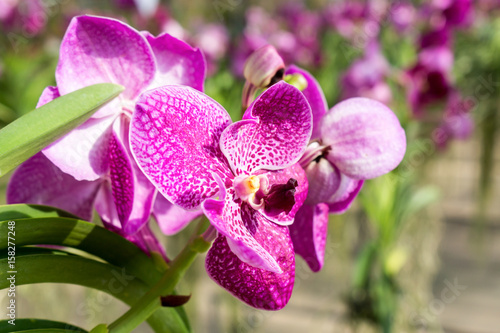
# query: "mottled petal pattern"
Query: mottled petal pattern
{"points": [[121, 175], [177, 62], [309, 233], [174, 136], [239, 223], [365, 138], [274, 133], [257, 287], [98, 49], [38, 181], [281, 177], [172, 218], [315, 97], [83, 152]]}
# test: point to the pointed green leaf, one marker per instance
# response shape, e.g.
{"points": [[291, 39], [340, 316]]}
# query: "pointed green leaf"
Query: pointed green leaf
{"points": [[21, 211], [27, 324], [29, 134]]}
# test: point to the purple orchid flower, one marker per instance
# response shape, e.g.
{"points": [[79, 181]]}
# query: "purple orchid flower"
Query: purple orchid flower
{"points": [[430, 79], [122, 194], [366, 76], [186, 145], [403, 15], [355, 140], [97, 49]]}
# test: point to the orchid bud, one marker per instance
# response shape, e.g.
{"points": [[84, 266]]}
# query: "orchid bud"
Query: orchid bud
{"points": [[264, 67]]}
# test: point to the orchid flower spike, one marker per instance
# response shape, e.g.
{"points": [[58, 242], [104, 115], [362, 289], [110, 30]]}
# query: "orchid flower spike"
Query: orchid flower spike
{"points": [[244, 176]]}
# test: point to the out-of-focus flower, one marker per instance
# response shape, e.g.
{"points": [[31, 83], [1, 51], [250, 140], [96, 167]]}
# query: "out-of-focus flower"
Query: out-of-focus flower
{"points": [[213, 40], [186, 145], [429, 80], [366, 76], [146, 8], [457, 122], [24, 16], [403, 15]]}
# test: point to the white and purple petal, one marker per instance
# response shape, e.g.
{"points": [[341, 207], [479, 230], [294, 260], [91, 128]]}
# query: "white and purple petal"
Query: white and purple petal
{"points": [[309, 232], [345, 194], [176, 62], [172, 218], [38, 181], [239, 223], [273, 134], [365, 138], [83, 152], [96, 50], [315, 96], [257, 287], [174, 136]]}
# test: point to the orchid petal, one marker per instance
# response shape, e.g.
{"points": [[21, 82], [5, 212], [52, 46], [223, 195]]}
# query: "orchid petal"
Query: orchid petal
{"points": [[309, 233], [257, 287], [365, 138], [49, 94], [96, 50], [83, 152], [345, 194], [133, 193], [177, 62], [174, 136], [315, 96], [273, 134], [240, 223], [324, 181], [147, 241], [172, 218], [38, 181], [281, 177]]}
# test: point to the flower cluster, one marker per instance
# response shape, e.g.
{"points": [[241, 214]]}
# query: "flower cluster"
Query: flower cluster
{"points": [[266, 183]]}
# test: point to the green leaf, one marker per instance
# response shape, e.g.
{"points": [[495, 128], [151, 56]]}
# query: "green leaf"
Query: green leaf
{"points": [[20, 211], [92, 239], [27, 324], [44, 268], [32, 132]]}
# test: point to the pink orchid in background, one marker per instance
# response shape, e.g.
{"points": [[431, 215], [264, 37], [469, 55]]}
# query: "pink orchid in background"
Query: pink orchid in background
{"points": [[366, 76], [244, 176], [457, 122], [94, 50], [213, 40], [451, 13], [355, 140], [26, 16], [146, 8], [403, 15]]}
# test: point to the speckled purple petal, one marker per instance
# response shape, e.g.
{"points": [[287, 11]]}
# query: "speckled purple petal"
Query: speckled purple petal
{"points": [[83, 152], [273, 134], [239, 223], [309, 232], [97, 49], [175, 133], [120, 175], [256, 287], [281, 177], [365, 138], [345, 194], [315, 97], [177, 62], [38, 181], [48, 95], [172, 218]]}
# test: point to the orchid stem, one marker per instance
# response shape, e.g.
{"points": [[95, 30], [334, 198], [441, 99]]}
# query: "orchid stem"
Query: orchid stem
{"points": [[150, 302]]}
